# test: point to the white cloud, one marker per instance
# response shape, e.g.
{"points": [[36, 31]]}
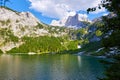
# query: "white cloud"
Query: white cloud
{"points": [[105, 14], [60, 8]]}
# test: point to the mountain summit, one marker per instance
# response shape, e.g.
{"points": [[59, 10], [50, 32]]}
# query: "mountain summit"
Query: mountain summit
{"points": [[74, 21]]}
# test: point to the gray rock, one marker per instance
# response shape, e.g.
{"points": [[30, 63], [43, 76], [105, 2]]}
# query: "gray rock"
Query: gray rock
{"points": [[71, 21]]}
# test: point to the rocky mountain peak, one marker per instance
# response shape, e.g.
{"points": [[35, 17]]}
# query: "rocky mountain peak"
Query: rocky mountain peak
{"points": [[74, 21], [25, 18], [20, 23]]}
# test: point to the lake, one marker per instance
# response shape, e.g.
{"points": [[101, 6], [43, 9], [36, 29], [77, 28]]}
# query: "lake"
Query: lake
{"points": [[50, 67]]}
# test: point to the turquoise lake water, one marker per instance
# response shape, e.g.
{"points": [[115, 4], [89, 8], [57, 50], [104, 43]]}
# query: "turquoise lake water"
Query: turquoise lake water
{"points": [[50, 67]]}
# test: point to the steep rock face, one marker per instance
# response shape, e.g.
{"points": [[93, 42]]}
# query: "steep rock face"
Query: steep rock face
{"points": [[71, 21], [25, 18], [15, 25], [21, 24]]}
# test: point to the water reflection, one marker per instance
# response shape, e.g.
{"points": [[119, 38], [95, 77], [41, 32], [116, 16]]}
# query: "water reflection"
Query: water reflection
{"points": [[49, 67], [79, 61]]}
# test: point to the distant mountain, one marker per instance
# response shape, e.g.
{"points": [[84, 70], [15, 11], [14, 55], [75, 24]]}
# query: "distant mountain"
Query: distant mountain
{"points": [[73, 21], [15, 26], [22, 32]]}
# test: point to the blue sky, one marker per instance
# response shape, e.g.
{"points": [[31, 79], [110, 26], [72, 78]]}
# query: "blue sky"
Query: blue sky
{"points": [[45, 11]]}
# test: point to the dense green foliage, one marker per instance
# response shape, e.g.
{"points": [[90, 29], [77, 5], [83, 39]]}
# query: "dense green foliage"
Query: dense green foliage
{"points": [[98, 33], [91, 47], [111, 29], [112, 40], [72, 45], [39, 44], [43, 44]]}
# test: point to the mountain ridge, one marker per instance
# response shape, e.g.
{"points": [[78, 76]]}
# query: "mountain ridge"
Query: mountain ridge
{"points": [[72, 21], [23, 32], [14, 26]]}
